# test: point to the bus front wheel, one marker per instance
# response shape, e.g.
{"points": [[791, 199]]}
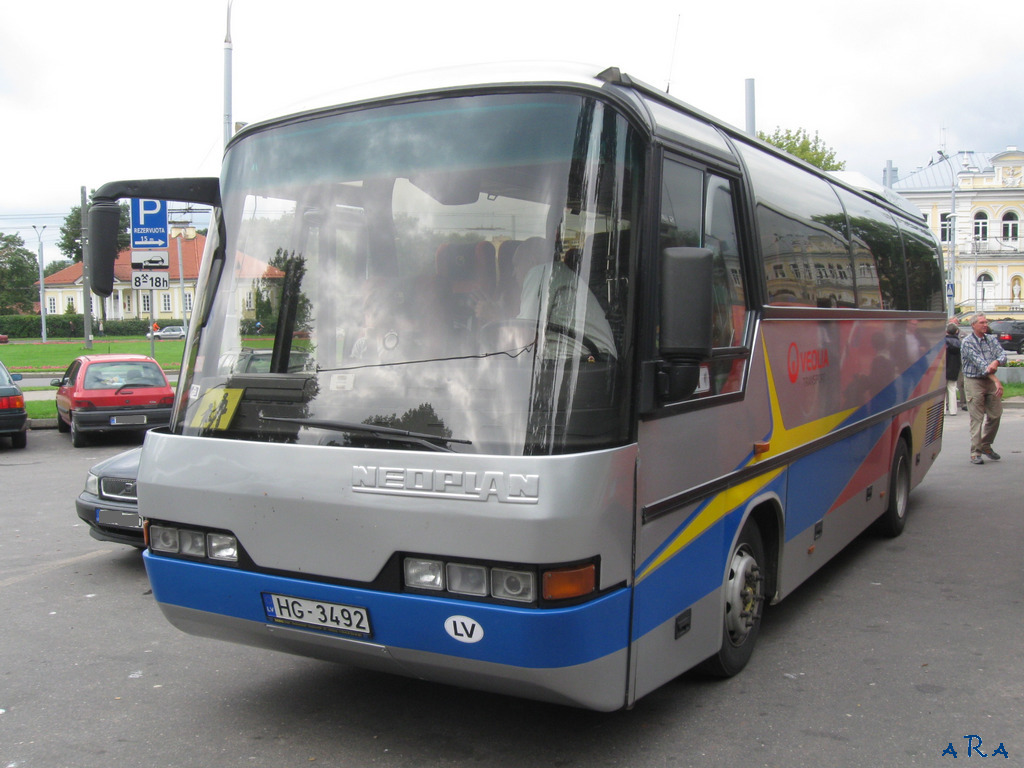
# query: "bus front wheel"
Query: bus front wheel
{"points": [[743, 605]]}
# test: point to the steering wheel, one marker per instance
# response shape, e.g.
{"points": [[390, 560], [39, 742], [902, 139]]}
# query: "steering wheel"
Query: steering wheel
{"points": [[578, 336]]}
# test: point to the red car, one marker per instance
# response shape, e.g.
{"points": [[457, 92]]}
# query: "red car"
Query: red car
{"points": [[112, 393]]}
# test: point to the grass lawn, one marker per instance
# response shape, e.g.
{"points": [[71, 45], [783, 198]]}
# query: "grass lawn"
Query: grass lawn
{"points": [[55, 356], [41, 409]]}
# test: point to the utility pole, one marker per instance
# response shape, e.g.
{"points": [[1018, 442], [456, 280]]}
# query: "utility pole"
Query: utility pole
{"points": [[42, 289], [86, 282], [227, 79], [182, 230], [951, 248]]}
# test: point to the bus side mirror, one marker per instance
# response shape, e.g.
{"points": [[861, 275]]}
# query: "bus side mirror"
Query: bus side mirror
{"points": [[104, 223], [685, 322]]}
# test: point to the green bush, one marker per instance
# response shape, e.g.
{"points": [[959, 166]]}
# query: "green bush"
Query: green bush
{"points": [[72, 326]]}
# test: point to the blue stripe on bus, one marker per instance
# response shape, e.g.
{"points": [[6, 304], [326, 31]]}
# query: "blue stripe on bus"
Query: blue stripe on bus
{"points": [[695, 571], [523, 637]]}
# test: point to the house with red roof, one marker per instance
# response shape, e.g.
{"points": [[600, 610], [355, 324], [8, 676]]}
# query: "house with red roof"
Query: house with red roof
{"points": [[64, 288]]}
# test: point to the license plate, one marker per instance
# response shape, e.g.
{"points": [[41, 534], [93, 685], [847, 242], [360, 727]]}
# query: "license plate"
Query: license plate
{"points": [[333, 617], [118, 519], [127, 420]]}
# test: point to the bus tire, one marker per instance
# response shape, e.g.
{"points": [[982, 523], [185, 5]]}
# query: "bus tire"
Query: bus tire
{"points": [[892, 521], [743, 602]]}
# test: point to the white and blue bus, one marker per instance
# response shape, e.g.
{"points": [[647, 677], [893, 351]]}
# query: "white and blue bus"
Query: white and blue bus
{"points": [[562, 381]]}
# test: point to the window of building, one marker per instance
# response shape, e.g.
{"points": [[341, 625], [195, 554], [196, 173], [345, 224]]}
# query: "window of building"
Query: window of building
{"points": [[127, 302], [51, 305], [165, 302], [1010, 225], [946, 228], [71, 304], [188, 302], [145, 302], [981, 226]]}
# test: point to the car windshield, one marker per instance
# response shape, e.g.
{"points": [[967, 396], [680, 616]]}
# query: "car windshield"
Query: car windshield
{"points": [[459, 268], [5, 378], [117, 374]]}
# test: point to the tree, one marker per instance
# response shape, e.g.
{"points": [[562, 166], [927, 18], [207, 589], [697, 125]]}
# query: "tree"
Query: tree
{"points": [[19, 270], [800, 144], [56, 266], [70, 243]]}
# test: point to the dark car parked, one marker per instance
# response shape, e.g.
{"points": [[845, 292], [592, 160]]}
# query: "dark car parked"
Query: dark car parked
{"points": [[13, 418], [109, 504], [1010, 334]]}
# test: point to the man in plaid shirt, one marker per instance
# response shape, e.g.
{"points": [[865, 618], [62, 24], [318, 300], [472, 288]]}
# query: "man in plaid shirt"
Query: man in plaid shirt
{"points": [[981, 355]]}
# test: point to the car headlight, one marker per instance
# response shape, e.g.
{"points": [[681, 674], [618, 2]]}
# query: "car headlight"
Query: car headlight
{"points": [[92, 484]]}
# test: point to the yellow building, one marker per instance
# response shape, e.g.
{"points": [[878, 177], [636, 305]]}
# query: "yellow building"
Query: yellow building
{"points": [[974, 202]]}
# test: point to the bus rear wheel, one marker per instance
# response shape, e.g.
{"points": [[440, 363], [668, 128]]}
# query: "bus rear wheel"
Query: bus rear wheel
{"points": [[894, 518], [744, 603]]}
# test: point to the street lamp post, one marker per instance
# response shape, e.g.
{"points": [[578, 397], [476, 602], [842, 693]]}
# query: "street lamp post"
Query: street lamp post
{"points": [[42, 288], [182, 230], [952, 232]]}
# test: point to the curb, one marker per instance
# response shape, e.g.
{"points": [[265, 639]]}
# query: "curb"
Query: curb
{"points": [[42, 423]]}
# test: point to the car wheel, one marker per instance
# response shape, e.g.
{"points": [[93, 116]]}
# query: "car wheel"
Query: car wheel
{"points": [[62, 426], [19, 439], [78, 440], [1020, 348]]}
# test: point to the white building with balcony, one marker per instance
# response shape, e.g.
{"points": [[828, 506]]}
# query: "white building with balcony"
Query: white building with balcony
{"points": [[974, 202]]}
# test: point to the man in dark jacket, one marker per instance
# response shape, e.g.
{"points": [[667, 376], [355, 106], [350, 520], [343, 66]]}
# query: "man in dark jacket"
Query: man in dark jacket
{"points": [[952, 366]]}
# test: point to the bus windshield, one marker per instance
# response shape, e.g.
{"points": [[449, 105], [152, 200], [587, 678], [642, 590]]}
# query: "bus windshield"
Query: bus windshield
{"points": [[450, 274]]}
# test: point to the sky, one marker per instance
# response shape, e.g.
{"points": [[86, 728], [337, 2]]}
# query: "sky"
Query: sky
{"points": [[96, 91]]}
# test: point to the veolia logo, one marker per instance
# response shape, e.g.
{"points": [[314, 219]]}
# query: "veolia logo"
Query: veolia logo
{"points": [[798, 362], [463, 629]]}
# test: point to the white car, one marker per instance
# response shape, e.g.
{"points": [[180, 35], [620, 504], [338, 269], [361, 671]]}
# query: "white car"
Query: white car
{"points": [[170, 332]]}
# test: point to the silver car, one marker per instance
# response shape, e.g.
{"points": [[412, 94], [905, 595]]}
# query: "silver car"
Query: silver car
{"points": [[109, 504], [170, 332]]}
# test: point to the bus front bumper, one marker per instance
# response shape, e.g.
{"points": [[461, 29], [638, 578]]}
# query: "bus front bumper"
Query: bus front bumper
{"points": [[576, 656]]}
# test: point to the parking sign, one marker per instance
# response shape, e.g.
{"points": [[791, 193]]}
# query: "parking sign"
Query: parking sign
{"points": [[149, 223]]}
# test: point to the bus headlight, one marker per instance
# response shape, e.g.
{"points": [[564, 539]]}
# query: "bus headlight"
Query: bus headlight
{"points": [[424, 574], [218, 547], [193, 543], [512, 585], [163, 539], [221, 546], [466, 579]]}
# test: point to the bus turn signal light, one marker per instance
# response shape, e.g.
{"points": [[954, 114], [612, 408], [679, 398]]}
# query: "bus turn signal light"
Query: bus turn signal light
{"points": [[568, 583]]}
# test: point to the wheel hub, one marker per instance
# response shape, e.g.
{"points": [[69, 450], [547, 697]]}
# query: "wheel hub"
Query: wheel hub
{"points": [[743, 596]]}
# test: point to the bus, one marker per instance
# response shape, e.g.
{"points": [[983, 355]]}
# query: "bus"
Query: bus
{"points": [[562, 382]]}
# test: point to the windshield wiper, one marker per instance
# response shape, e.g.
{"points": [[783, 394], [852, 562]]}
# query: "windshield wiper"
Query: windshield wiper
{"points": [[388, 434]]}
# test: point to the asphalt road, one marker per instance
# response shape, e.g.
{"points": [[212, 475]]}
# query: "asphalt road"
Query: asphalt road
{"points": [[896, 650]]}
